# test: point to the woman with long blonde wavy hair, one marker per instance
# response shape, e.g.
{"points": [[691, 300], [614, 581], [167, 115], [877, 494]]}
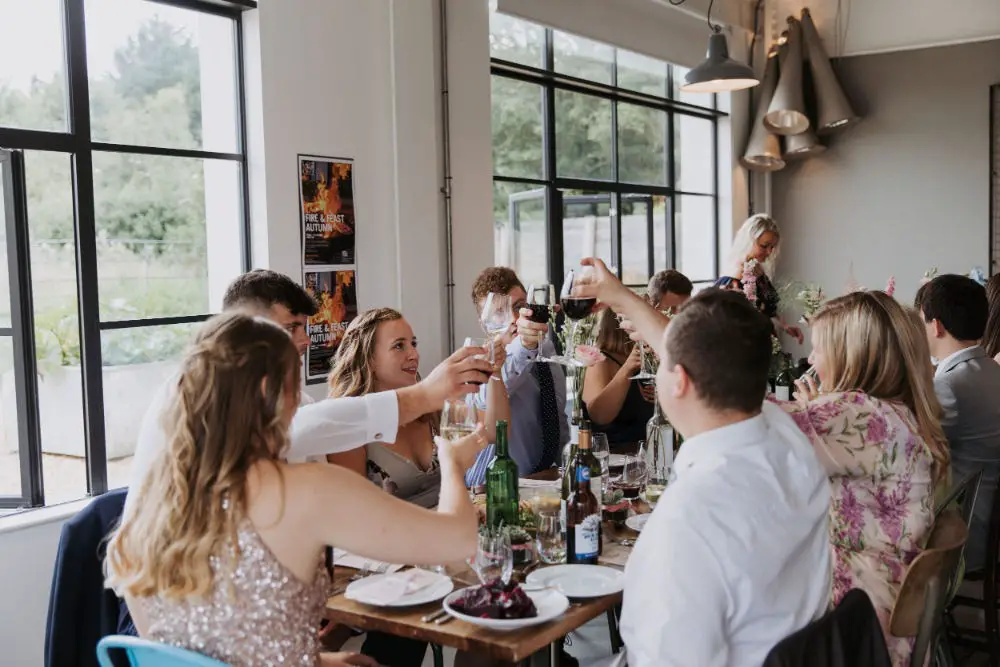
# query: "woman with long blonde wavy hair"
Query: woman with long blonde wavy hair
{"points": [[379, 352], [224, 536], [874, 420]]}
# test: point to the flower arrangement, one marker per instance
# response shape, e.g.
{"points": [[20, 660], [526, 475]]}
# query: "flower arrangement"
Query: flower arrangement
{"points": [[890, 287], [584, 330], [811, 297], [749, 280], [588, 355], [978, 275]]}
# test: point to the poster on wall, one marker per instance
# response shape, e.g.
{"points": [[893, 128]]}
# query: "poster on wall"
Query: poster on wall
{"points": [[336, 295], [326, 196]]}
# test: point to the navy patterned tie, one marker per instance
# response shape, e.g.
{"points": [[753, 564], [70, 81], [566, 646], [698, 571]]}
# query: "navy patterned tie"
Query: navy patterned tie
{"points": [[551, 453]]}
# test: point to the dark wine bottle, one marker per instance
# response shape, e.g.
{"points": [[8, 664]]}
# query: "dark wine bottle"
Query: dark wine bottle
{"points": [[583, 512]]}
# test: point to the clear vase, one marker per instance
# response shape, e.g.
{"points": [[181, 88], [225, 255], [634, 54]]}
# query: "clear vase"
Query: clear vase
{"points": [[659, 453]]}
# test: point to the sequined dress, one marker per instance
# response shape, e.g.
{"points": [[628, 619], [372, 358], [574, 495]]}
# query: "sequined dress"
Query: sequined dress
{"points": [[261, 614]]}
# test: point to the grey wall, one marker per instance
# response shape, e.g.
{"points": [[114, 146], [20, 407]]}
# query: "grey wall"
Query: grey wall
{"points": [[908, 187]]}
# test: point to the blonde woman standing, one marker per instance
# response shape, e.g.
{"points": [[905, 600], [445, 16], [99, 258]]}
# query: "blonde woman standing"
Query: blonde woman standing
{"points": [[876, 428], [222, 552], [753, 257]]}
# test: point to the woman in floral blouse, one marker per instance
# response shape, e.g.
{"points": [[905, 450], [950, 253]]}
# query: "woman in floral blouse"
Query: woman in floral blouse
{"points": [[876, 427]]}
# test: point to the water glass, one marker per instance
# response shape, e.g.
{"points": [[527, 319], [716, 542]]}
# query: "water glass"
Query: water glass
{"points": [[602, 452], [550, 539], [494, 556]]}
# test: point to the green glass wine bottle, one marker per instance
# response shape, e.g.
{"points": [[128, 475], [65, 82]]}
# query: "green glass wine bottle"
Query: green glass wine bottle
{"points": [[501, 484]]}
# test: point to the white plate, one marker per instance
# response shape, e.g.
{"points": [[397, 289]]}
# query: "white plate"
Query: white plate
{"points": [[616, 460], [637, 521], [579, 581], [550, 605], [432, 593]]}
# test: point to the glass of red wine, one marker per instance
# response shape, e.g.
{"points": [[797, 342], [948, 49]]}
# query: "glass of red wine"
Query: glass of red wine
{"points": [[575, 309]]}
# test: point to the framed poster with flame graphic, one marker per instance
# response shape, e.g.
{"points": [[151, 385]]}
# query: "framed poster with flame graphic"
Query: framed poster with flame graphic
{"points": [[326, 195], [337, 297]]}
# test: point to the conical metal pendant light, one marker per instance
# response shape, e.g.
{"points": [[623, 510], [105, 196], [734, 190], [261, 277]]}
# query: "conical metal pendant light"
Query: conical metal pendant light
{"points": [[763, 151], [787, 113], [802, 146], [718, 73], [834, 111]]}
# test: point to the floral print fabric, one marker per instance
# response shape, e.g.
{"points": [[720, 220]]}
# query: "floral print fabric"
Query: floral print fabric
{"points": [[881, 511]]}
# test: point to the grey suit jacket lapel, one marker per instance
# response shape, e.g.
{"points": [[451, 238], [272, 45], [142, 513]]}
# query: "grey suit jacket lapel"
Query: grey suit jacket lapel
{"points": [[963, 356]]}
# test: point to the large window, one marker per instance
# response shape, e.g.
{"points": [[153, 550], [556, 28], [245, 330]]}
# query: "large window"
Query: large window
{"points": [[592, 140], [124, 187]]}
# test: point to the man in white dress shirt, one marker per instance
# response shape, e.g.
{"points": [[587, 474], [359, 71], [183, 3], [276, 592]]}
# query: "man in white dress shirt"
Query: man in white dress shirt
{"points": [[736, 555], [331, 425]]}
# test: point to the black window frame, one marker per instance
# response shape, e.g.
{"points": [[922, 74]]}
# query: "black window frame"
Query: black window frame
{"points": [[77, 143], [553, 184]]}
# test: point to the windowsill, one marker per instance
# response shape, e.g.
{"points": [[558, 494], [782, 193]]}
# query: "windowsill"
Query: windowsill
{"points": [[29, 518]]}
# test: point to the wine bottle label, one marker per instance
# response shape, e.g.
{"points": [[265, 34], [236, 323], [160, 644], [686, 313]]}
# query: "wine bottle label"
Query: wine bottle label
{"points": [[783, 393], [587, 534], [582, 474]]}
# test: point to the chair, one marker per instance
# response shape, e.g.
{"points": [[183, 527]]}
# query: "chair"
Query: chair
{"points": [[963, 498], [144, 653], [848, 636], [919, 608], [988, 640]]}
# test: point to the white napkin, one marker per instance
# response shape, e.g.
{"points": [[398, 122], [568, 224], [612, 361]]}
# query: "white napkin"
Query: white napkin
{"points": [[342, 558], [525, 483], [390, 588]]}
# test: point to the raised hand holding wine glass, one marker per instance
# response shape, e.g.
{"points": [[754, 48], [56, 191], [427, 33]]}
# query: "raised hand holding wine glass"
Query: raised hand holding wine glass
{"points": [[496, 317]]}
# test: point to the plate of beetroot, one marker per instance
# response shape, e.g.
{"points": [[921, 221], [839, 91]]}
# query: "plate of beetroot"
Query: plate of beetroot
{"points": [[500, 606]]}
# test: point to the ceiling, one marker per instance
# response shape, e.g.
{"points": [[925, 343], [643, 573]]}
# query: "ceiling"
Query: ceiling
{"points": [[875, 26]]}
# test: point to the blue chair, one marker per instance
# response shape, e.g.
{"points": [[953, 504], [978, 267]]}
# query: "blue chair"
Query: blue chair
{"points": [[144, 653]]}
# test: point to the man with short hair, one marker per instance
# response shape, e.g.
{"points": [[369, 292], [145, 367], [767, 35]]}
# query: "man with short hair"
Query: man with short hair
{"points": [[538, 425], [736, 555], [331, 425], [669, 289], [967, 383]]}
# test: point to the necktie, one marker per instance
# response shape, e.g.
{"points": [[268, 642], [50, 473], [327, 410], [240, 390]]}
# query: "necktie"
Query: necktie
{"points": [[550, 416]]}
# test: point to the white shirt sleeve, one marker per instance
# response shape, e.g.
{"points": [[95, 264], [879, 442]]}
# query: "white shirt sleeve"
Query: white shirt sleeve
{"points": [[336, 425], [519, 358], [152, 440], [676, 601]]}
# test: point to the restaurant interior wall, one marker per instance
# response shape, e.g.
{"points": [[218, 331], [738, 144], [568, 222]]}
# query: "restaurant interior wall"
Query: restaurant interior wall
{"points": [[905, 190]]}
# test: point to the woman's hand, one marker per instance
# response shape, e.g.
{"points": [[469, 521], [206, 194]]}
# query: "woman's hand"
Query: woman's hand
{"points": [[794, 332], [346, 659], [805, 390], [648, 390], [632, 363], [499, 354], [462, 452]]}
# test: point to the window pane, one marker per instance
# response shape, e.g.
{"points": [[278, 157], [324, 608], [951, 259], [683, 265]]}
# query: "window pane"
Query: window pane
{"points": [[582, 58], [519, 221], [161, 75], [661, 214], [517, 128], [159, 220], [636, 214], [57, 325], [10, 461], [583, 136], [642, 73], [694, 153], [586, 214], [695, 237], [642, 149], [516, 40], [33, 75], [137, 362]]}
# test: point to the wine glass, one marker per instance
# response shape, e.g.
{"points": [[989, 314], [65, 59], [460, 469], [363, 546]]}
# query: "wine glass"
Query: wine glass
{"points": [[550, 538], [477, 342], [575, 309], [602, 452], [459, 418], [634, 474], [541, 299], [494, 557], [496, 318]]}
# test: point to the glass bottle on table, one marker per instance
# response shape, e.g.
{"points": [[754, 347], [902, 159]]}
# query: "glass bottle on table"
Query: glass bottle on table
{"points": [[659, 453], [502, 499], [583, 511]]}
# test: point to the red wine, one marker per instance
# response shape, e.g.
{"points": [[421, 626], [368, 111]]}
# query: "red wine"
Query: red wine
{"points": [[539, 313], [630, 490], [577, 309]]}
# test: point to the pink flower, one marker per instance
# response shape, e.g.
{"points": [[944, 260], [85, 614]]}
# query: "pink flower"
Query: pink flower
{"points": [[588, 355], [750, 281], [890, 287]]}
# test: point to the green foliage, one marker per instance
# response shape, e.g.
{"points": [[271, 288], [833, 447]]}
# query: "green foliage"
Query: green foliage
{"points": [[150, 210]]}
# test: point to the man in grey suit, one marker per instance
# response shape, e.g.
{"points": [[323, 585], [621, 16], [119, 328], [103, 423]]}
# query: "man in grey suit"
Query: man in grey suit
{"points": [[967, 382]]}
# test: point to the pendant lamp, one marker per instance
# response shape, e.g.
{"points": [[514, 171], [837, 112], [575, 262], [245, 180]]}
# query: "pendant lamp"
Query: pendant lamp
{"points": [[833, 110], [802, 146], [763, 151], [787, 113], [718, 73]]}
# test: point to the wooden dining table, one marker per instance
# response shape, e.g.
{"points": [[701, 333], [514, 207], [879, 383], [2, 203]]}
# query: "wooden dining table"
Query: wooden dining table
{"points": [[535, 645]]}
